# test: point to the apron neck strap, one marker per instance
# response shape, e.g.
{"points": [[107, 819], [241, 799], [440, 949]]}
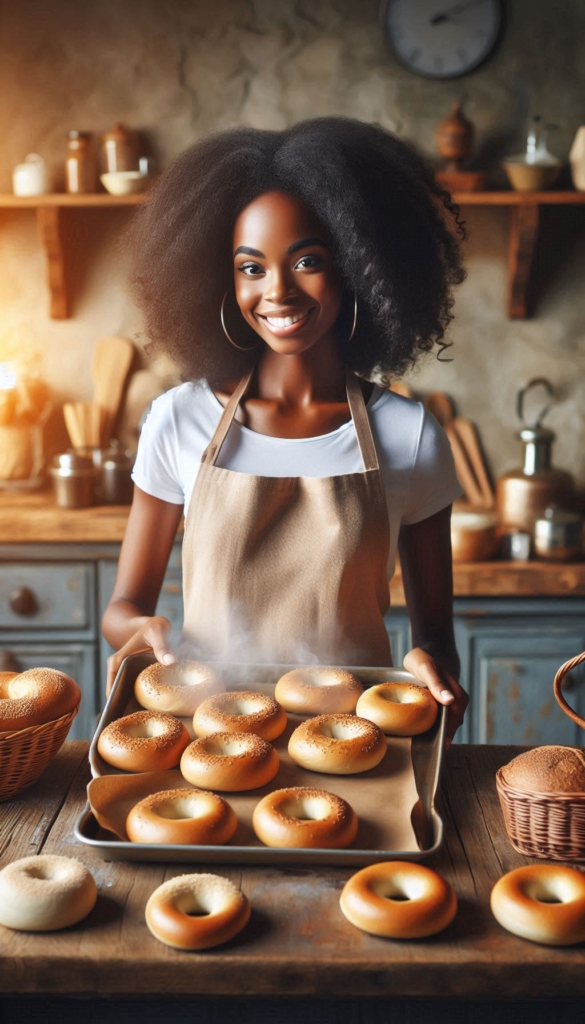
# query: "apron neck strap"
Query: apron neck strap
{"points": [[212, 451], [357, 406], [361, 422]]}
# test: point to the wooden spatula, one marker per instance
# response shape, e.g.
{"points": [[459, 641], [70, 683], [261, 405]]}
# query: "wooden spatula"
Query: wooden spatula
{"points": [[111, 365], [467, 433]]}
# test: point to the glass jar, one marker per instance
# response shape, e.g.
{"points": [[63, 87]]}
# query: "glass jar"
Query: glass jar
{"points": [[80, 166], [120, 147]]}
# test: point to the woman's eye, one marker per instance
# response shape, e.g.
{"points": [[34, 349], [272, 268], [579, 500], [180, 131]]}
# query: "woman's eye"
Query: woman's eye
{"points": [[308, 262], [251, 269]]}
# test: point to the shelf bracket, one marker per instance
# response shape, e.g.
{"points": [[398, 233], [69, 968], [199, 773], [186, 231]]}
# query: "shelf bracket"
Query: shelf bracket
{"points": [[523, 232], [50, 224]]}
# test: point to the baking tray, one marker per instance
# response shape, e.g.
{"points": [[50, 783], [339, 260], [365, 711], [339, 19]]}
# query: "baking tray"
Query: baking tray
{"points": [[421, 757]]}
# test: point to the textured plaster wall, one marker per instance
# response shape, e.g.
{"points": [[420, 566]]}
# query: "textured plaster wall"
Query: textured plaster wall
{"points": [[176, 70]]}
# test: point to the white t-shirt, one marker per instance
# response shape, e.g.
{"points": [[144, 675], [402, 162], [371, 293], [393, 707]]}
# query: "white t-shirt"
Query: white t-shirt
{"points": [[413, 450]]}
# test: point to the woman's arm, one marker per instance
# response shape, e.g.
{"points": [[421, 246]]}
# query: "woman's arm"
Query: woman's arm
{"points": [[129, 623], [427, 572]]}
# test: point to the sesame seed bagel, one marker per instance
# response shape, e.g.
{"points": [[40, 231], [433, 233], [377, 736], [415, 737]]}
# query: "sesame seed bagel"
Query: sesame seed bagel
{"points": [[177, 689], [196, 911], [304, 817], [337, 744], [146, 741], [230, 761], [400, 709], [34, 697], [240, 711], [45, 892], [182, 817], [318, 691]]}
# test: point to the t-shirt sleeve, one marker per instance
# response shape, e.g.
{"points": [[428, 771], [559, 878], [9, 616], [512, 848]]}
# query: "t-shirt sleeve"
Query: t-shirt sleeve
{"points": [[433, 483], [156, 469]]}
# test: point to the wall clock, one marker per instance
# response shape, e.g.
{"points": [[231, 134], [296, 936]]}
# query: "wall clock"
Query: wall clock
{"points": [[442, 38]]}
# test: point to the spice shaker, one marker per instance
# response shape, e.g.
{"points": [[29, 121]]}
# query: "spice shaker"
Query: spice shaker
{"points": [[523, 494], [80, 165], [75, 479]]}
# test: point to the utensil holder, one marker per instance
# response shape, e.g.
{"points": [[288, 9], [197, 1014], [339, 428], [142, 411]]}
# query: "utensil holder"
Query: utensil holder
{"points": [[546, 825]]}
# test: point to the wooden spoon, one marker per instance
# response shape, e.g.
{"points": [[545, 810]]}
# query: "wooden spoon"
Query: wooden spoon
{"points": [[467, 433], [111, 365]]}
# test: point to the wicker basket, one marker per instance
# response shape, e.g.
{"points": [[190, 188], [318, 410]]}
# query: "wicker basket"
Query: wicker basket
{"points": [[25, 753], [547, 825]]}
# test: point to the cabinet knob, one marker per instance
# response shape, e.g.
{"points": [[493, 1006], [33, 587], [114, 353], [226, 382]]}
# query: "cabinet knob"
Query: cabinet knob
{"points": [[23, 601]]}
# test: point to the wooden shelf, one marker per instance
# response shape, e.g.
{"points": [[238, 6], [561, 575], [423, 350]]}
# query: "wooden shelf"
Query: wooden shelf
{"points": [[523, 215], [8, 201], [50, 211], [523, 224]]}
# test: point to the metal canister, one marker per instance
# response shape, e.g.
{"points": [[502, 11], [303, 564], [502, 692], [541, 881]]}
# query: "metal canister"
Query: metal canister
{"points": [[523, 494], [74, 479], [116, 481], [558, 535]]}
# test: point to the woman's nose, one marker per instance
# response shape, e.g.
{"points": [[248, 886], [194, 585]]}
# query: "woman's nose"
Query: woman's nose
{"points": [[279, 287]]}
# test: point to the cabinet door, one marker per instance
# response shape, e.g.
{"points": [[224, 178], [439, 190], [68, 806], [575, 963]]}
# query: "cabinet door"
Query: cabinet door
{"points": [[510, 666], [76, 660]]}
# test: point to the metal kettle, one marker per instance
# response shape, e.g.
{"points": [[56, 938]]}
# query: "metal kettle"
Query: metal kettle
{"points": [[522, 495]]}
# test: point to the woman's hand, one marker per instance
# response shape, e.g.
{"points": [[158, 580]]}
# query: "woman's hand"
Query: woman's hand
{"points": [[153, 635], [444, 688]]}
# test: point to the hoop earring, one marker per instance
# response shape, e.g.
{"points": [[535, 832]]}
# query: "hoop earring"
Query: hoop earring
{"points": [[242, 348], [354, 318]]}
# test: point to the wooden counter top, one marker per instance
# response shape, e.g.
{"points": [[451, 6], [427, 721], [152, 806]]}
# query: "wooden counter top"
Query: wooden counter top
{"points": [[35, 519], [297, 941]]}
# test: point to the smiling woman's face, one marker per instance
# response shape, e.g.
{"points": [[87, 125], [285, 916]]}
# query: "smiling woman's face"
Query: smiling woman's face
{"points": [[285, 281]]}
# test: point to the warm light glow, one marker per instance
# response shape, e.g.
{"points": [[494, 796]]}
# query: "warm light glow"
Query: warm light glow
{"points": [[7, 376]]}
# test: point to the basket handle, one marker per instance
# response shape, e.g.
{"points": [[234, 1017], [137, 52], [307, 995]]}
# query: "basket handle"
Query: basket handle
{"points": [[558, 680]]}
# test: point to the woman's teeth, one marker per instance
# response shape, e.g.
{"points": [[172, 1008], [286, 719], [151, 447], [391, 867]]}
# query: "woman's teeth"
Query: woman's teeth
{"points": [[285, 321]]}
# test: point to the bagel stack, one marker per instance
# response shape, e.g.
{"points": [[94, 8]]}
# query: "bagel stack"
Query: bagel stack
{"points": [[37, 708]]}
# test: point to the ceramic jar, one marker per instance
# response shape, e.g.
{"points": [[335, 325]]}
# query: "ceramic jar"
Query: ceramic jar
{"points": [[577, 159], [30, 177]]}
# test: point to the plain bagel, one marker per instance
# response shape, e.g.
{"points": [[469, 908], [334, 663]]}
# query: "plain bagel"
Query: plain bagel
{"points": [[318, 691], [230, 761], [145, 741], [179, 817], [178, 689], [304, 817], [542, 903], [196, 911], [399, 900], [45, 893], [240, 711], [399, 709], [34, 697], [337, 744]]}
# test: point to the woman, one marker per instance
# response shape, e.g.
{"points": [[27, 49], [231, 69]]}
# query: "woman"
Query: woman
{"points": [[276, 267]]}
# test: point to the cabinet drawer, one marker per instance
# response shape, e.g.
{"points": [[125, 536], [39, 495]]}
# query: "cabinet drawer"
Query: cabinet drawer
{"points": [[45, 596]]}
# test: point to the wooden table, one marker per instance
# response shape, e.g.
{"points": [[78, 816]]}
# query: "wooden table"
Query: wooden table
{"points": [[297, 942]]}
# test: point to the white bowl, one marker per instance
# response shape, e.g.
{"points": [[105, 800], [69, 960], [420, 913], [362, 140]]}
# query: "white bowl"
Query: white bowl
{"points": [[124, 183]]}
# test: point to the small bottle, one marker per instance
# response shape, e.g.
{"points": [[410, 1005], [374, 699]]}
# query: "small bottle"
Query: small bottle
{"points": [[80, 166], [120, 149]]}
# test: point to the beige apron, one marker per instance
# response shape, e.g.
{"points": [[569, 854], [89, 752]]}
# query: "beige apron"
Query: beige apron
{"points": [[287, 569]]}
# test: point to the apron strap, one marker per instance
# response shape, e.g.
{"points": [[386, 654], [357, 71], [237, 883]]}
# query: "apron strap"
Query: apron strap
{"points": [[361, 422], [357, 408], [212, 451]]}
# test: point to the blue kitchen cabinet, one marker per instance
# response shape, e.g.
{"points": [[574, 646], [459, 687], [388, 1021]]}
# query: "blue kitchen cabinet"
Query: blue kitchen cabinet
{"points": [[510, 650]]}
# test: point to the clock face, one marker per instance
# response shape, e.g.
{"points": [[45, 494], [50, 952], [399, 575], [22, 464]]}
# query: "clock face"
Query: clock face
{"points": [[442, 38]]}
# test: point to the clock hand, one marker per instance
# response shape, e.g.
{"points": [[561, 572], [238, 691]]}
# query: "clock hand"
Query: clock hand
{"points": [[439, 19]]}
